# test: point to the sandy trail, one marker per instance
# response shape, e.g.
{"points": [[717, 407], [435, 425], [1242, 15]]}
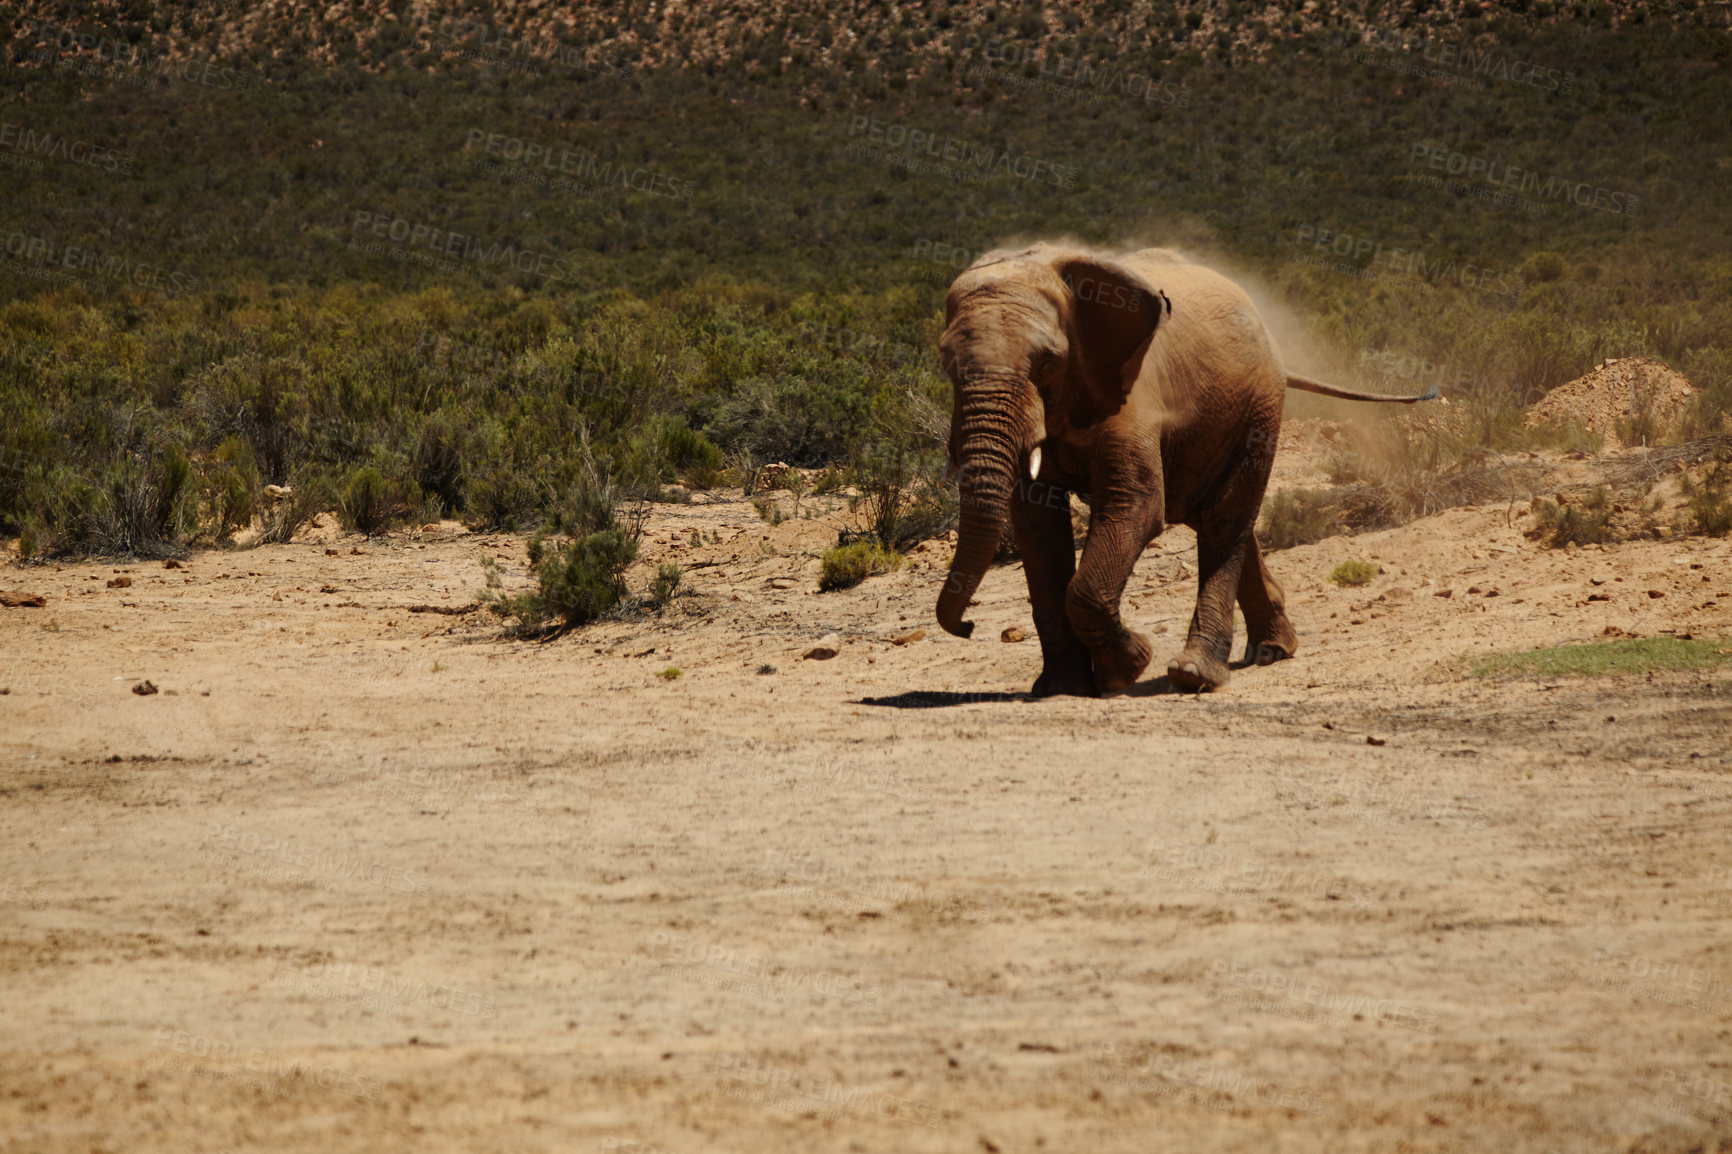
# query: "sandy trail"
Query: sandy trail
{"points": [[361, 878]]}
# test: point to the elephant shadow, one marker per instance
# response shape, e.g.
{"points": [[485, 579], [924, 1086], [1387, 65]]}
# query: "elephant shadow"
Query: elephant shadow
{"points": [[1161, 686]]}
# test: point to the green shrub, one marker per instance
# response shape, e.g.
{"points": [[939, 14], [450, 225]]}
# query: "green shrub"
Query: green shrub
{"points": [[1353, 573], [671, 673], [769, 508], [577, 580], [1570, 523], [693, 457], [847, 565], [1711, 501], [369, 503], [1298, 517], [233, 484], [664, 586], [1652, 654]]}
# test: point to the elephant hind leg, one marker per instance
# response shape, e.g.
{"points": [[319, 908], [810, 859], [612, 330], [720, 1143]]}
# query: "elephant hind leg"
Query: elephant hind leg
{"points": [[1269, 635], [1220, 557]]}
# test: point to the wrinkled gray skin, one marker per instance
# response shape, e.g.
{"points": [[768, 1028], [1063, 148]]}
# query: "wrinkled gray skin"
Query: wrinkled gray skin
{"points": [[1147, 384]]}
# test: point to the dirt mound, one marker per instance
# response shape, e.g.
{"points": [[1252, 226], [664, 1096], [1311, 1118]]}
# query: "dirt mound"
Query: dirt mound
{"points": [[1632, 399]]}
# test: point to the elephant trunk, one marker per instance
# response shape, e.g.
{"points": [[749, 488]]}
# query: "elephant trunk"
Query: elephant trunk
{"points": [[992, 435]]}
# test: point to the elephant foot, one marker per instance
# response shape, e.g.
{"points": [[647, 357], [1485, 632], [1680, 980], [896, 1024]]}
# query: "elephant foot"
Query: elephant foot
{"points": [[1197, 672], [1065, 679], [1117, 669], [1277, 642]]}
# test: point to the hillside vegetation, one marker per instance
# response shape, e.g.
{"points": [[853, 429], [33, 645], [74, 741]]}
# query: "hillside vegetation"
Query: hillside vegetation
{"points": [[480, 260]]}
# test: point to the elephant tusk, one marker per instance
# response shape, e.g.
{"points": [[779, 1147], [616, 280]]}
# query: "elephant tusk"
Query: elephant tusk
{"points": [[1034, 464]]}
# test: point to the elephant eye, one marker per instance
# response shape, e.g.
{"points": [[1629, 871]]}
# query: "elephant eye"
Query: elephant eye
{"points": [[1047, 364]]}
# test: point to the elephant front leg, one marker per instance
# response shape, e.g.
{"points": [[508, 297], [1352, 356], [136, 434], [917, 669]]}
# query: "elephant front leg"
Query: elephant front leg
{"points": [[1040, 517], [1116, 539]]}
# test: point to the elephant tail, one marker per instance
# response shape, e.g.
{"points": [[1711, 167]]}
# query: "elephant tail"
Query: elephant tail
{"points": [[1295, 381]]}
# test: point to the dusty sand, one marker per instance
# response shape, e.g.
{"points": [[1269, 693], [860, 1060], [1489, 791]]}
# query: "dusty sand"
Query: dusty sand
{"points": [[365, 879]]}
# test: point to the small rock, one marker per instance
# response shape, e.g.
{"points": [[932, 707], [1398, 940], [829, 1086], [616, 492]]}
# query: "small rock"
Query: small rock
{"points": [[1472, 589], [332, 553], [1444, 593], [1370, 740], [19, 600], [782, 583], [908, 638], [278, 491], [356, 553], [429, 528], [144, 689], [327, 589], [1013, 634], [1596, 580], [171, 563], [1599, 597], [819, 653], [120, 583], [1656, 594], [1492, 593]]}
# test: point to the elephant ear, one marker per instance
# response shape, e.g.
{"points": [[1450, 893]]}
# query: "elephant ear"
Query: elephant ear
{"points": [[1114, 313]]}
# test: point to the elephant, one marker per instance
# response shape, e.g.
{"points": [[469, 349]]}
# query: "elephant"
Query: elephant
{"points": [[1148, 385]]}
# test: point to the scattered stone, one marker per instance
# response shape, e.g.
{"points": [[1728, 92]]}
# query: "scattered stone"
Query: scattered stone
{"points": [[330, 589], [1599, 597], [356, 553], [120, 583], [332, 553], [277, 492], [819, 653], [429, 528], [782, 583], [1656, 594], [144, 689], [1492, 593], [1444, 593], [1472, 589], [1013, 634], [15, 599], [171, 563], [908, 638], [1370, 740]]}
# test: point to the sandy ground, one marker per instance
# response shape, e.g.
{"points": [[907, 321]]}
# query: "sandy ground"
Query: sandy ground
{"points": [[360, 878]]}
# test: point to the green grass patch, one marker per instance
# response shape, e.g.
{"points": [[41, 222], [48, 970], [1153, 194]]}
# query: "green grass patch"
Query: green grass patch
{"points": [[1354, 572], [847, 565], [1647, 655]]}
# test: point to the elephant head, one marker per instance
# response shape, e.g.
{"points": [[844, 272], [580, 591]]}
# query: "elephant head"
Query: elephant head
{"points": [[1035, 344]]}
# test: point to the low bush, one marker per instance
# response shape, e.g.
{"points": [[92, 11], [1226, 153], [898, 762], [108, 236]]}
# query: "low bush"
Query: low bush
{"points": [[1299, 517], [847, 565], [577, 581], [1564, 522], [1353, 573], [1711, 501]]}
